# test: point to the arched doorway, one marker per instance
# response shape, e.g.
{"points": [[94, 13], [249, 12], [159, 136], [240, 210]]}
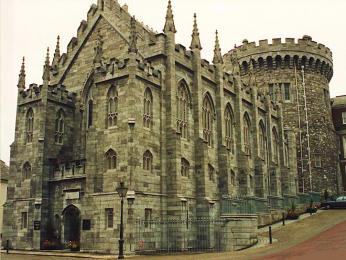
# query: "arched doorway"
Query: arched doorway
{"points": [[71, 221]]}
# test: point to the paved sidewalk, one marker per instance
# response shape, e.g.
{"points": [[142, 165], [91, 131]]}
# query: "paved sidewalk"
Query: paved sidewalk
{"points": [[66, 254], [264, 241]]}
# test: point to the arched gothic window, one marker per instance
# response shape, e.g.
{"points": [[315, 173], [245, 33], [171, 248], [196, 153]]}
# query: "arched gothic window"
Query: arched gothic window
{"points": [[90, 113], [29, 125], [246, 134], [262, 141], [275, 146], [147, 160], [185, 167], [207, 119], [112, 99], [229, 131], [26, 171], [59, 127], [147, 108], [182, 110], [111, 159]]}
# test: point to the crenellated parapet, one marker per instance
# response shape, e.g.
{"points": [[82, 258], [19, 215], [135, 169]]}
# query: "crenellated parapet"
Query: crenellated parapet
{"points": [[315, 57], [31, 94], [59, 94]]}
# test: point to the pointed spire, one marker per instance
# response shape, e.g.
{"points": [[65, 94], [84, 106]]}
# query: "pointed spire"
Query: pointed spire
{"points": [[169, 24], [46, 68], [195, 42], [56, 55], [133, 36], [21, 80], [57, 49], [217, 50]]}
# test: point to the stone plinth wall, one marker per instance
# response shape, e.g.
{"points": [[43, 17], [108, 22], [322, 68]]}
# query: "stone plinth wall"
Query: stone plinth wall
{"points": [[241, 231]]}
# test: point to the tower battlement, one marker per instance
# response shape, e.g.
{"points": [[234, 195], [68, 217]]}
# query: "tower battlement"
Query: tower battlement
{"points": [[313, 56]]}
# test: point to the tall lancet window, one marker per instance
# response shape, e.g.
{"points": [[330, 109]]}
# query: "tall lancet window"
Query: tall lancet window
{"points": [[90, 109], [147, 108], [29, 126], [112, 115], [182, 110], [207, 119], [275, 146], [229, 128], [247, 134], [59, 127], [262, 141]]}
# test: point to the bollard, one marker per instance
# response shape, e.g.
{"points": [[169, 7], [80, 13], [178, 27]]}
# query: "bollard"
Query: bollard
{"points": [[283, 218], [270, 235], [7, 246]]}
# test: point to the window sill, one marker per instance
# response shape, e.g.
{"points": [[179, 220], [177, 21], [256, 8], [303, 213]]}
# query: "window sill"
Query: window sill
{"points": [[109, 229], [112, 127]]}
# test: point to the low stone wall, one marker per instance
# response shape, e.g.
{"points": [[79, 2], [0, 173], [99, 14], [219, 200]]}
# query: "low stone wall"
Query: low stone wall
{"points": [[265, 219], [240, 231]]}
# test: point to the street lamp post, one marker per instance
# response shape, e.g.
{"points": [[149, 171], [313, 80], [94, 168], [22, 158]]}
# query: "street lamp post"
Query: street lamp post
{"points": [[122, 190]]}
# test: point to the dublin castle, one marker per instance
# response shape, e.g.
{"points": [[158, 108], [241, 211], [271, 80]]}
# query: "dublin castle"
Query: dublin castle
{"points": [[126, 104]]}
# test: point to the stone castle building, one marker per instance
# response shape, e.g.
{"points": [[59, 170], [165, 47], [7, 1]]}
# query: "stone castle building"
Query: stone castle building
{"points": [[127, 104], [297, 75]]}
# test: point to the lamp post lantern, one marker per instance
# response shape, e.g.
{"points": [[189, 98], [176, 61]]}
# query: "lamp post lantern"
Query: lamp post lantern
{"points": [[122, 190]]}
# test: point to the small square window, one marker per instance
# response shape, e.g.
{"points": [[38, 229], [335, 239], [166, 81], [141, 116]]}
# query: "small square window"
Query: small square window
{"points": [[318, 161], [86, 224]]}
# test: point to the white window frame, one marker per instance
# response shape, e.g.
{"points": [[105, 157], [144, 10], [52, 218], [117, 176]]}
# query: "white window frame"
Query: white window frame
{"points": [[343, 115], [344, 145]]}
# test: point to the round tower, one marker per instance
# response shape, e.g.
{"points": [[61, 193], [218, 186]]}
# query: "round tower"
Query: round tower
{"points": [[297, 74]]}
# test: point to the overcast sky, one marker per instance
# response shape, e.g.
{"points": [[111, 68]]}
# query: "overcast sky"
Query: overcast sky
{"points": [[29, 26]]}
